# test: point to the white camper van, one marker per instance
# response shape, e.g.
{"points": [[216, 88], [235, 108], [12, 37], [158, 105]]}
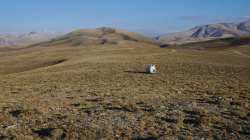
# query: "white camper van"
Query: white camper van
{"points": [[151, 69]]}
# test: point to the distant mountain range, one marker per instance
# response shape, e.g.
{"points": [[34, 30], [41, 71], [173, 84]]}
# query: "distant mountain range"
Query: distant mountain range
{"points": [[32, 37], [206, 32], [116, 36], [43, 31], [50, 32]]}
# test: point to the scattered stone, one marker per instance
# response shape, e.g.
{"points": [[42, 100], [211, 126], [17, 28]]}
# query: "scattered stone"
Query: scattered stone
{"points": [[10, 126], [162, 106]]}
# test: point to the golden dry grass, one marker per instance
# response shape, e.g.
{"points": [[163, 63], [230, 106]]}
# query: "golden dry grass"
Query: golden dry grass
{"points": [[103, 92]]}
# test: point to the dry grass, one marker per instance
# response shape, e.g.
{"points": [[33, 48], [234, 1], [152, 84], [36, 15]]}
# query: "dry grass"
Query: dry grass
{"points": [[102, 92]]}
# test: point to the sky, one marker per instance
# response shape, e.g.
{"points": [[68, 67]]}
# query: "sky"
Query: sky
{"points": [[148, 17]]}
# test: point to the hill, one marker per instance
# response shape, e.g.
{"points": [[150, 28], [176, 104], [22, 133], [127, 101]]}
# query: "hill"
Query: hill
{"points": [[32, 37], [206, 32], [215, 44], [101, 36], [87, 38]]}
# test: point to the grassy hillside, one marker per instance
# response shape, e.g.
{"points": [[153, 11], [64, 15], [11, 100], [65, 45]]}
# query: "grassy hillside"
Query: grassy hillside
{"points": [[101, 91], [101, 36]]}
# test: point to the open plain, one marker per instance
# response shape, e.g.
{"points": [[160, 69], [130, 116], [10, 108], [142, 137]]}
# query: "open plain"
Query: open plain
{"points": [[70, 90]]}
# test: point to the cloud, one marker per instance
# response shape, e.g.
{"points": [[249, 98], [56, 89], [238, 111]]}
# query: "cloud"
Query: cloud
{"points": [[193, 17], [235, 18]]}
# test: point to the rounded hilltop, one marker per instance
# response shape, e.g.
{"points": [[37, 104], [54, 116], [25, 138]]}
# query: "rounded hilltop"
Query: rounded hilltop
{"points": [[101, 36]]}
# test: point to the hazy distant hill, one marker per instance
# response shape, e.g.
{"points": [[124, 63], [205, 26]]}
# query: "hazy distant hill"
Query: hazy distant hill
{"points": [[212, 31], [101, 36], [32, 37]]}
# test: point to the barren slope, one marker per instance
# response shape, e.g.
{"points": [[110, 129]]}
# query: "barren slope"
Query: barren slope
{"points": [[212, 31]]}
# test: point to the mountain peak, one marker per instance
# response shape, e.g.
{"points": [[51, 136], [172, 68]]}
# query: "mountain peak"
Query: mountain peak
{"points": [[44, 30], [31, 33], [245, 21], [211, 31]]}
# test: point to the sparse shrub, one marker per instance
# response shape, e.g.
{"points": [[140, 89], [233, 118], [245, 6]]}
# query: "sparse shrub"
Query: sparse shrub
{"points": [[234, 97], [131, 107], [185, 138], [29, 112], [86, 134], [238, 113], [199, 111], [56, 133], [222, 102], [21, 137], [215, 113], [154, 134], [231, 127], [72, 135], [211, 91], [101, 99], [47, 91], [222, 92], [240, 103], [207, 99], [81, 90], [23, 89], [176, 117], [118, 102], [206, 119], [5, 120], [175, 128]]}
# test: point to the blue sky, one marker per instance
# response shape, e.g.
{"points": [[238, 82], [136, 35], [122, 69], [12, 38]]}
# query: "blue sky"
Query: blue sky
{"points": [[149, 17]]}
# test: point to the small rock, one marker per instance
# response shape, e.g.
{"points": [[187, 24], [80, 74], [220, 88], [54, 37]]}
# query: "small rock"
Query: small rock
{"points": [[137, 110], [102, 114], [52, 107], [10, 126], [162, 106]]}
